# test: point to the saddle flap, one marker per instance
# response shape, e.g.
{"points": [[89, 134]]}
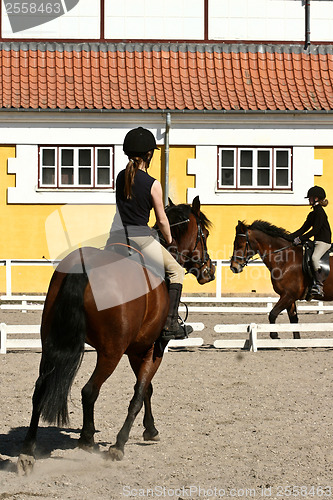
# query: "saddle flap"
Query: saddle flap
{"points": [[308, 248]]}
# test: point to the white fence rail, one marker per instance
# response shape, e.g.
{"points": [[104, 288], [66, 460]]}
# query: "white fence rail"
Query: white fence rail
{"points": [[35, 302], [11, 263], [252, 341]]}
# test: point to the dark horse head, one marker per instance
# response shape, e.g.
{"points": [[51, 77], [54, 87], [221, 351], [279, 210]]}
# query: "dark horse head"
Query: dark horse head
{"points": [[190, 229], [246, 246]]}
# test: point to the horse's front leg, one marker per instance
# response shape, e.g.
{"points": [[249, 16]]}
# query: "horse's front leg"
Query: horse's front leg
{"points": [[145, 369], [283, 303], [293, 318]]}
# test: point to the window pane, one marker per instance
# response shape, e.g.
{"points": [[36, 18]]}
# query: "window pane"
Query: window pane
{"points": [[227, 158], [48, 176], [282, 177], [245, 177], [67, 176], [263, 177], [48, 157], [282, 159], [67, 157], [263, 159], [84, 157], [103, 157], [227, 177], [103, 176], [246, 158], [84, 176]]}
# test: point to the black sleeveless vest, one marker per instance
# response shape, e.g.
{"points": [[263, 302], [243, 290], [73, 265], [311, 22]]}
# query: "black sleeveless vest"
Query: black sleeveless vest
{"points": [[136, 210]]}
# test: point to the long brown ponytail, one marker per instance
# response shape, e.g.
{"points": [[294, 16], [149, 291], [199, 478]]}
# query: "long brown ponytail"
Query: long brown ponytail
{"points": [[131, 169]]}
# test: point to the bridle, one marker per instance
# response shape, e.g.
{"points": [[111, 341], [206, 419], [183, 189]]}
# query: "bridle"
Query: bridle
{"points": [[201, 238], [246, 258]]}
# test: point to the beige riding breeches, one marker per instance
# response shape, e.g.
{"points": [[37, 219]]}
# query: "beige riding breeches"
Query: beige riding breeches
{"points": [[160, 258], [320, 248]]}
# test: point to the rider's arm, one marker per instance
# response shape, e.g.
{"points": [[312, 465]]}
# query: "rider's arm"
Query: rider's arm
{"points": [[161, 218], [306, 226]]}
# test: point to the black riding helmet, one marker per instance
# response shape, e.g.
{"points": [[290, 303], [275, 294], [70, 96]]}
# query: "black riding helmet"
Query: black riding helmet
{"points": [[139, 141], [316, 192]]}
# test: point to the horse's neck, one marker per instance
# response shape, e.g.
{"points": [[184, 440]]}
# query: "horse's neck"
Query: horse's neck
{"points": [[265, 245]]}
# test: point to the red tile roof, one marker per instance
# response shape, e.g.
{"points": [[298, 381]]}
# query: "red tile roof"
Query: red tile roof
{"points": [[165, 76]]}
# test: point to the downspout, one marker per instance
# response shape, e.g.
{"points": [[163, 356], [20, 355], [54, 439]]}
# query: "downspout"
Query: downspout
{"points": [[307, 24], [166, 157]]}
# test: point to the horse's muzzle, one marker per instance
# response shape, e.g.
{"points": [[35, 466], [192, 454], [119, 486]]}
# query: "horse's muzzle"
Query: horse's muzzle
{"points": [[236, 268]]}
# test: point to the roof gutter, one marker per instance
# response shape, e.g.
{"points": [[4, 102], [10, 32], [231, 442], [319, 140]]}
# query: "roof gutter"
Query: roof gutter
{"points": [[173, 111]]}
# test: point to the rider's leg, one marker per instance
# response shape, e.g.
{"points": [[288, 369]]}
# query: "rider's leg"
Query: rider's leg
{"points": [[320, 248], [158, 257]]}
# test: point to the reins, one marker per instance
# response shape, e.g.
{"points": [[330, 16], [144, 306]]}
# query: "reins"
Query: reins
{"points": [[200, 237], [248, 259]]}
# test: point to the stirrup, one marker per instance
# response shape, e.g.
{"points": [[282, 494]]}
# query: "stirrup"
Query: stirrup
{"points": [[182, 333], [317, 290]]}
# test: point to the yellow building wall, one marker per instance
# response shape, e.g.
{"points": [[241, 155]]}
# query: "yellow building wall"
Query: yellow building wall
{"points": [[47, 231]]}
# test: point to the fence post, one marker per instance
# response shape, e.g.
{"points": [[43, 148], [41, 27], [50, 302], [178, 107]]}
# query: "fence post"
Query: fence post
{"points": [[253, 337], [218, 288], [8, 277], [3, 338]]}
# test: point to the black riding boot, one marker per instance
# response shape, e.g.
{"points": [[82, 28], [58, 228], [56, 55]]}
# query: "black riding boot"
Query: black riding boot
{"points": [[317, 287], [173, 329]]}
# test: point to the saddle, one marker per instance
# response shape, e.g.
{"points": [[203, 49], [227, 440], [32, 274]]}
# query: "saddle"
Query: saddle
{"points": [[126, 248], [308, 248]]}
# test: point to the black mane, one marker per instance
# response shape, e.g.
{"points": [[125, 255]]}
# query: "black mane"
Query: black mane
{"points": [[180, 213], [270, 229]]}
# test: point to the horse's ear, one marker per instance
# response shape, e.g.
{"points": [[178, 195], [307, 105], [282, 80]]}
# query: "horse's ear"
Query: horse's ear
{"points": [[196, 206], [171, 204], [241, 227]]}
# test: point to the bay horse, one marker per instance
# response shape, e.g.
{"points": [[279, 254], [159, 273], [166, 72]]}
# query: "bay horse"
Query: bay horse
{"points": [[283, 260], [71, 317]]}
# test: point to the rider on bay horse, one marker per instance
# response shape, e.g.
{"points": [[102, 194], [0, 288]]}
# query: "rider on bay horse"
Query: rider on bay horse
{"points": [[136, 194], [321, 233]]}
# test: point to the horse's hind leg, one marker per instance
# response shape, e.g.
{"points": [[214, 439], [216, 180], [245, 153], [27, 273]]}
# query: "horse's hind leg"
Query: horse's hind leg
{"points": [[26, 458], [90, 392], [293, 318], [145, 369], [150, 432]]}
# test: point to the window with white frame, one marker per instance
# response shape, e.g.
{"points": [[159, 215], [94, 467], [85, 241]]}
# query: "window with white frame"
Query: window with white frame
{"points": [[68, 167], [254, 168]]}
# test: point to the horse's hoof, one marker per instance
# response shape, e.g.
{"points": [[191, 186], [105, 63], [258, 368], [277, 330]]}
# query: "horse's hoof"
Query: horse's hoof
{"points": [[274, 336], [86, 446], [114, 454], [25, 464], [147, 436]]}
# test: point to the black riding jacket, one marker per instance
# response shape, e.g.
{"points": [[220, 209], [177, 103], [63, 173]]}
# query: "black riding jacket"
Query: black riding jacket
{"points": [[317, 219]]}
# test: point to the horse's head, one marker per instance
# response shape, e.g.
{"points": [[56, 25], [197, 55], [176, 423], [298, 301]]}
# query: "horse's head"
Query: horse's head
{"points": [[242, 250], [190, 230]]}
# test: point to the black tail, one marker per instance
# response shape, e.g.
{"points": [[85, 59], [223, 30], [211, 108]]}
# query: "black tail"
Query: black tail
{"points": [[63, 349]]}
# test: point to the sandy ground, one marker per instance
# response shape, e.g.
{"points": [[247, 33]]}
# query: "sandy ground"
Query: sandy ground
{"points": [[233, 424]]}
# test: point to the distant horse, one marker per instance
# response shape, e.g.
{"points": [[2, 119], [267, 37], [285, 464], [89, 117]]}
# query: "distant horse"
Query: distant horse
{"points": [[71, 317], [284, 262]]}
